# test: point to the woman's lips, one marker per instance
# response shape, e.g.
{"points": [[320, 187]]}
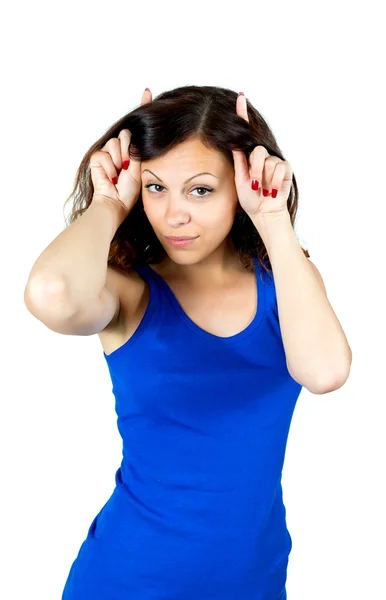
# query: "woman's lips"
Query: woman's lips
{"points": [[180, 242]]}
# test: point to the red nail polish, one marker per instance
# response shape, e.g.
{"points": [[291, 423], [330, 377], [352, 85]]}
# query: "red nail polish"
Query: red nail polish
{"points": [[255, 184], [265, 192], [125, 164], [274, 193], [115, 180]]}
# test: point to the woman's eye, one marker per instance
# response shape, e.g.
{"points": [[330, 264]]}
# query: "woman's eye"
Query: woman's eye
{"points": [[207, 189]]}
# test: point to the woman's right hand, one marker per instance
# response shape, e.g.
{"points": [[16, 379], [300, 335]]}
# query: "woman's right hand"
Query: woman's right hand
{"points": [[107, 163]]}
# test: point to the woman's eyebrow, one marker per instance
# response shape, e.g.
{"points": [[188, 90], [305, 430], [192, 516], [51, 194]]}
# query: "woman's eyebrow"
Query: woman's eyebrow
{"points": [[193, 176]]}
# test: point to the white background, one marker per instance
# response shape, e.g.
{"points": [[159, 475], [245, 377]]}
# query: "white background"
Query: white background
{"points": [[316, 73]]}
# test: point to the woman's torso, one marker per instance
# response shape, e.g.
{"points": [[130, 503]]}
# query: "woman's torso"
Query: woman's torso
{"points": [[222, 311], [204, 403]]}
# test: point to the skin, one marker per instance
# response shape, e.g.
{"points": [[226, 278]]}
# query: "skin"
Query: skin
{"points": [[175, 208]]}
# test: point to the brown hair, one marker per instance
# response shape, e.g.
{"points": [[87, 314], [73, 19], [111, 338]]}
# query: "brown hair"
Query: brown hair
{"points": [[206, 113]]}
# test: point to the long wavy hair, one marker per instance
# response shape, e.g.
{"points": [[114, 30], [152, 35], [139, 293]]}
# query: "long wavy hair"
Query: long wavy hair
{"points": [[206, 113]]}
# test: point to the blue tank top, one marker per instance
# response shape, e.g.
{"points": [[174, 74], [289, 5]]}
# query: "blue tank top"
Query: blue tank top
{"points": [[197, 511]]}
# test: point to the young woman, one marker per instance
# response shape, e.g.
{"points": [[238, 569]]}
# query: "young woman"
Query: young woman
{"points": [[208, 341]]}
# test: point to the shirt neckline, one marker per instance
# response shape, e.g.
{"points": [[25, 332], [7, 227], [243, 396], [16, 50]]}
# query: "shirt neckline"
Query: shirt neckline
{"points": [[261, 300]]}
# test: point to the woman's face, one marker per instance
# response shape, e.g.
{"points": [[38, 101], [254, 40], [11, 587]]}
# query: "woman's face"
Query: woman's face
{"points": [[177, 207]]}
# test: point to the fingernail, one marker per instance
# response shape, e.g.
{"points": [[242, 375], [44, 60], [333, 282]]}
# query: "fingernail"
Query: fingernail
{"points": [[265, 192], [274, 193], [255, 184], [241, 93], [147, 89], [125, 164], [115, 180]]}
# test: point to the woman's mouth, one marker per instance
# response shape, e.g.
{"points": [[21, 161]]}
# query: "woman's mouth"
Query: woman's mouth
{"points": [[180, 241]]}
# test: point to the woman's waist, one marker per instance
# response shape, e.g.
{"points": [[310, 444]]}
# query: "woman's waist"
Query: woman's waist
{"points": [[227, 516]]}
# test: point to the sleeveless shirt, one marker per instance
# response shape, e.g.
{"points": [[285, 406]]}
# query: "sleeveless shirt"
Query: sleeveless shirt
{"points": [[197, 512]]}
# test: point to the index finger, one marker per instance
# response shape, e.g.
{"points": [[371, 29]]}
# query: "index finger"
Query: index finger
{"points": [[125, 135], [146, 97], [241, 107]]}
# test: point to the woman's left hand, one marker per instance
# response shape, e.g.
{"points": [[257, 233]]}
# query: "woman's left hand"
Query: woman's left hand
{"points": [[273, 174]]}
